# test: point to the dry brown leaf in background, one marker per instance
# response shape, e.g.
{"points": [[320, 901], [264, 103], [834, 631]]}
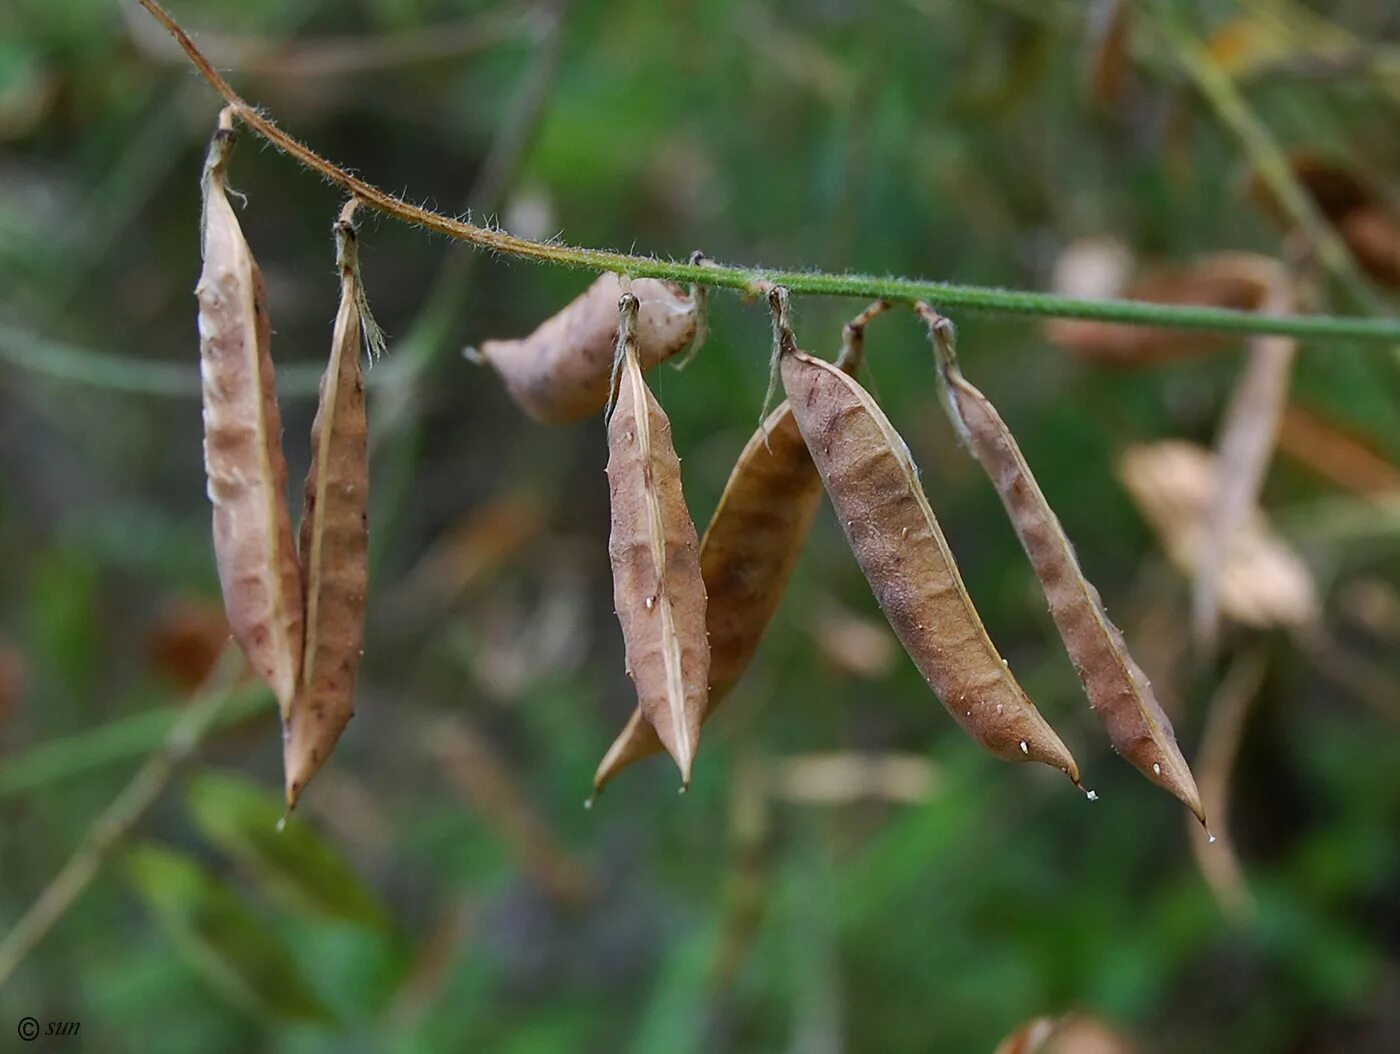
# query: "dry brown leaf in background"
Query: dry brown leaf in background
{"points": [[1117, 689], [1232, 280], [1367, 223], [1030, 1038], [849, 776], [748, 884], [489, 785], [560, 372], [1072, 1034], [1110, 30], [334, 542], [1244, 450], [1373, 604], [854, 644], [186, 640], [1264, 582], [1336, 453], [750, 548], [432, 964], [874, 487], [658, 591], [1215, 762], [473, 549], [1097, 267], [12, 679], [1083, 1034], [253, 545]]}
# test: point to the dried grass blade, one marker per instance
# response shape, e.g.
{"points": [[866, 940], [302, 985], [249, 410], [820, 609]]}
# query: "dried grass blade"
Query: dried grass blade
{"points": [[1245, 448], [1220, 744]]}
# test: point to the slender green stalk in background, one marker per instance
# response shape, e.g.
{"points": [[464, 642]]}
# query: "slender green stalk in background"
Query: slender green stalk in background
{"points": [[110, 829]]}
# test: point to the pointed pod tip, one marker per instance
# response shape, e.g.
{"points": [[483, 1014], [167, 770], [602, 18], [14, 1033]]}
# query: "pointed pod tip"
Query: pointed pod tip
{"points": [[588, 802], [282, 823], [684, 788]]}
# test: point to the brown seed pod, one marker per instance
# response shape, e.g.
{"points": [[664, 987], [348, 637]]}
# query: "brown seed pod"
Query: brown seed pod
{"points": [[657, 588], [875, 489], [1118, 690], [243, 441], [334, 550], [560, 372], [748, 553]]}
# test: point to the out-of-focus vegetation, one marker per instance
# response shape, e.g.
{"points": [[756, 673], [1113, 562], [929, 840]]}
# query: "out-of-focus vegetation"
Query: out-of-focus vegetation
{"points": [[848, 871]]}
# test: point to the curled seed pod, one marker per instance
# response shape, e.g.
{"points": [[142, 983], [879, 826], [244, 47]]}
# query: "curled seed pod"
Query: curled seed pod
{"points": [[334, 548], [875, 489], [748, 553], [657, 588], [560, 372], [1118, 690], [243, 441]]}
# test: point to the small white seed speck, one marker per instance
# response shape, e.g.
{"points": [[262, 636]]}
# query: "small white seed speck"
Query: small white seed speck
{"points": [[1025, 749], [1156, 769]]}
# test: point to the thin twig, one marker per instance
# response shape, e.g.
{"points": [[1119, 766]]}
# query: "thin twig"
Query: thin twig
{"points": [[810, 282], [110, 829], [1215, 763]]}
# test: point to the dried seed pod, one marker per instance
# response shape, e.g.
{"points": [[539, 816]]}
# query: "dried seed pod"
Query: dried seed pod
{"points": [[334, 550], [748, 553], [243, 441], [875, 489], [1118, 690], [560, 372], [657, 588]]}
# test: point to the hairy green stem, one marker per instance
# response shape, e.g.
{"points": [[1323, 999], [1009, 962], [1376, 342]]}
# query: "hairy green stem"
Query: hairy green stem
{"points": [[945, 295]]}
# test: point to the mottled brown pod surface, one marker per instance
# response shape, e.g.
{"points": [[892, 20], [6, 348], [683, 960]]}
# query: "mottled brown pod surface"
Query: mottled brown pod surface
{"points": [[334, 549], [747, 555], [1117, 689], [875, 489], [561, 371], [243, 442], [657, 588]]}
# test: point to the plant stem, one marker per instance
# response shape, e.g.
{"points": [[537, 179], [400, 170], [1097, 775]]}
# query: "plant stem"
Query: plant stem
{"points": [[110, 829], [945, 295]]}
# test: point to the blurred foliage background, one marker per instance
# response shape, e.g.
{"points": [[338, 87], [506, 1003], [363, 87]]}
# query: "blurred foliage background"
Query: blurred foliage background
{"points": [[848, 872]]}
